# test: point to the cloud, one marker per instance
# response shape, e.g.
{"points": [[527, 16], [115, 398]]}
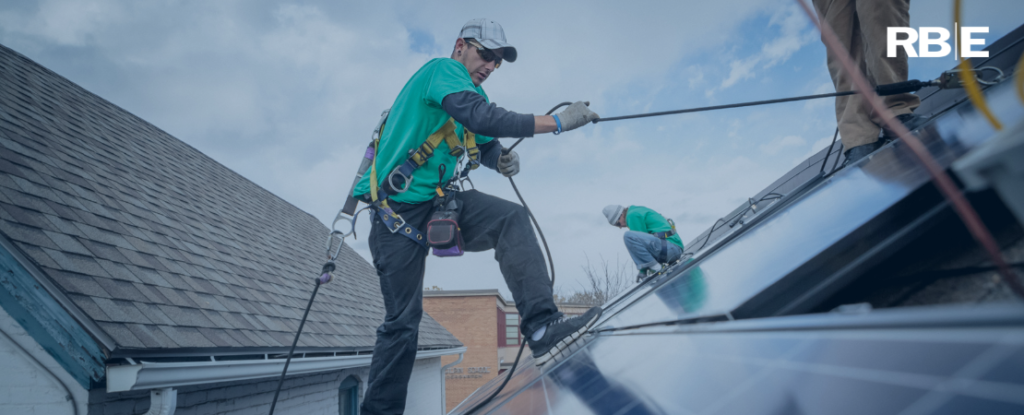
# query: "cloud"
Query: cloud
{"points": [[286, 93], [779, 144], [794, 33]]}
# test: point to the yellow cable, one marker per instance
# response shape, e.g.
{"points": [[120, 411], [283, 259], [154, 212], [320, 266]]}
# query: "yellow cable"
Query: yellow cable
{"points": [[971, 84], [1020, 78]]}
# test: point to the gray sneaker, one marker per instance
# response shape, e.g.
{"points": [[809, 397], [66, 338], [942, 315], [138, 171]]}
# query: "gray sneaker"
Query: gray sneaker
{"points": [[561, 336]]}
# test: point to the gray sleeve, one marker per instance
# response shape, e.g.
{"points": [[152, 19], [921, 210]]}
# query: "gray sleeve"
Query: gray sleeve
{"points": [[489, 153], [472, 111]]}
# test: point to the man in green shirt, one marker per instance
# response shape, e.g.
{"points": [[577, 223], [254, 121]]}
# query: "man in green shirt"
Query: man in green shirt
{"points": [[444, 99], [651, 240]]}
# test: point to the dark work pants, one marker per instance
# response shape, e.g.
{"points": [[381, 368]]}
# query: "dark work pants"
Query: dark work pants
{"points": [[487, 222]]}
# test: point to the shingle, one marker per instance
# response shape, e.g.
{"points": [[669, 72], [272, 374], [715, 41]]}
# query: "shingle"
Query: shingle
{"points": [[219, 338], [120, 289], [68, 243], [121, 311], [27, 234], [149, 276], [241, 338], [76, 263], [76, 283], [117, 271], [27, 201], [121, 335], [152, 294], [150, 336], [27, 217], [186, 316], [104, 251], [206, 301], [154, 314], [86, 304], [186, 337], [176, 297]]}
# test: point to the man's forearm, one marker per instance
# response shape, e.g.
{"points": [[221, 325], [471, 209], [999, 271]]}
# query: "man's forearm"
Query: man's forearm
{"points": [[544, 124]]}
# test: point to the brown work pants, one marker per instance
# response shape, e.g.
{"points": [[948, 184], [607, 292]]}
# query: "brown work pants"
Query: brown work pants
{"points": [[861, 26]]}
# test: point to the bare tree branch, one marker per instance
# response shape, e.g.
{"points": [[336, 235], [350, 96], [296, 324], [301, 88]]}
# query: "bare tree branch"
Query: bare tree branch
{"points": [[604, 281]]}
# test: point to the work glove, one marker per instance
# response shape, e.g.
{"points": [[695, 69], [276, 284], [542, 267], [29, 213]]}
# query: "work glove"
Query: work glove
{"points": [[576, 115], [508, 164]]}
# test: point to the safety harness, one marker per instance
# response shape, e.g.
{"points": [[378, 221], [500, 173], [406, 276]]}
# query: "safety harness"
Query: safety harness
{"points": [[664, 239], [379, 194]]}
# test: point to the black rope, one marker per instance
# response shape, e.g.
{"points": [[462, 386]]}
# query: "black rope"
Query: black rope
{"points": [[551, 263], [292, 350], [883, 90], [722, 107]]}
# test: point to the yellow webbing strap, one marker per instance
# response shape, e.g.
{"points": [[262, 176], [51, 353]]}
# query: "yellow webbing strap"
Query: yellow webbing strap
{"points": [[971, 84], [474, 152], [446, 133], [1020, 78]]}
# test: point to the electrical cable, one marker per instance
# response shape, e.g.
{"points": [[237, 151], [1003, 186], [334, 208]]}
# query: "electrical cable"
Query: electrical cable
{"points": [[739, 214], [942, 180], [551, 263], [74, 404], [829, 152]]}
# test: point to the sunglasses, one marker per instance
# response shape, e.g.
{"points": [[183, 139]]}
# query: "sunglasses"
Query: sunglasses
{"points": [[486, 54]]}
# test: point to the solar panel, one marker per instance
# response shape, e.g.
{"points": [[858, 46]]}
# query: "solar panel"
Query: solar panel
{"points": [[763, 256], [736, 368]]}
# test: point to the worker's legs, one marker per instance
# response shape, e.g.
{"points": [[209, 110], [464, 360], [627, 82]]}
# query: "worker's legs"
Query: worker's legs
{"points": [[852, 116], [875, 17], [645, 249], [400, 265], [489, 222]]}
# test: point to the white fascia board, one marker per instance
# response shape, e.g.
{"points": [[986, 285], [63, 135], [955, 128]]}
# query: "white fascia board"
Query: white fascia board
{"points": [[156, 375]]}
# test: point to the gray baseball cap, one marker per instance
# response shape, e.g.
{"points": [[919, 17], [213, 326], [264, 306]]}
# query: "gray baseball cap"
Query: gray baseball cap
{"points": [[490, 35]]}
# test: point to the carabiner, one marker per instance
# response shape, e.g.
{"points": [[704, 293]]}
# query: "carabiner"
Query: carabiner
{"points": [[334, 231]]}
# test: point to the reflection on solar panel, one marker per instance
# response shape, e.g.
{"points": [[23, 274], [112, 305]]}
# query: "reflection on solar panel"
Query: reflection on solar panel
{"points": [[805, 367], [727, 330]]}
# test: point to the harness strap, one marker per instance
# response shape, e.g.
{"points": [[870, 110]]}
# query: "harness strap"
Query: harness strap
{"points": [[664, 235], [664, 242], [379, 199]]}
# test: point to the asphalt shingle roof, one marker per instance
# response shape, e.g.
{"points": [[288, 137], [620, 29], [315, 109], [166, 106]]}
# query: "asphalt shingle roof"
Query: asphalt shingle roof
{"points": [[160, 245]]}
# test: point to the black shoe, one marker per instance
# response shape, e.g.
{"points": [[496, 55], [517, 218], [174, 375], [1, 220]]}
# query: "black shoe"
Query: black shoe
{"points": [[859, 152], [908, 120], [561, 336]]}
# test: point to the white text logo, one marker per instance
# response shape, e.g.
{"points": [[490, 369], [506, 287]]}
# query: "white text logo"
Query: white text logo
{"points": [[933, 42]]}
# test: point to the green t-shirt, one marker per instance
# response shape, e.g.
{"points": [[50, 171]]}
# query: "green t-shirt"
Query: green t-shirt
{"points": [[641, 219], [415, 115]]}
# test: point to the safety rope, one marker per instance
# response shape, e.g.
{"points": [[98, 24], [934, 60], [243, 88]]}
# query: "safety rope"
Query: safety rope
{"points": [[888, 89], [970, 84], [942, 180], [551, 263]]}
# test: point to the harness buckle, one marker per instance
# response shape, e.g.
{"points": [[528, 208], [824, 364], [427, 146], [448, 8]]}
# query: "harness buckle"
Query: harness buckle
{"points": [[391, 181]]}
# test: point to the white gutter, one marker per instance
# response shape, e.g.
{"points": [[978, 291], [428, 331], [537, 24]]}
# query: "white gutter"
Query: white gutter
{"points": [[444, 398], [153, 375]]}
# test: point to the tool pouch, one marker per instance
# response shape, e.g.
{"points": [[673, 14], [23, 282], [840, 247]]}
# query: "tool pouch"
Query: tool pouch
{"points": [[443, 230]]}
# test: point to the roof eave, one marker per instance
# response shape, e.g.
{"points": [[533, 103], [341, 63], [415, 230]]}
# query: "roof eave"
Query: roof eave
{"points": [[151, 375]]}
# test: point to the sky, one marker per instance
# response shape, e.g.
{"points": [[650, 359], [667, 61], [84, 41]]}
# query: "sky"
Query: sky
{"points": [[286, 94]]}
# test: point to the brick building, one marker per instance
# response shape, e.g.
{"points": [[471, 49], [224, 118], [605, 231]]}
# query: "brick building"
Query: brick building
{"points": [[488, 326]]}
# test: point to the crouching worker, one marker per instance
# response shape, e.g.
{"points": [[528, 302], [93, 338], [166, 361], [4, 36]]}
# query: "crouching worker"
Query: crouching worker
{"points": [[440, 115], [651, 240]]}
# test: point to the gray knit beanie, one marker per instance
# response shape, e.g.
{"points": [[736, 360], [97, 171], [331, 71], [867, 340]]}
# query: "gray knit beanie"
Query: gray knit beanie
{"points": [[613, 212]]}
